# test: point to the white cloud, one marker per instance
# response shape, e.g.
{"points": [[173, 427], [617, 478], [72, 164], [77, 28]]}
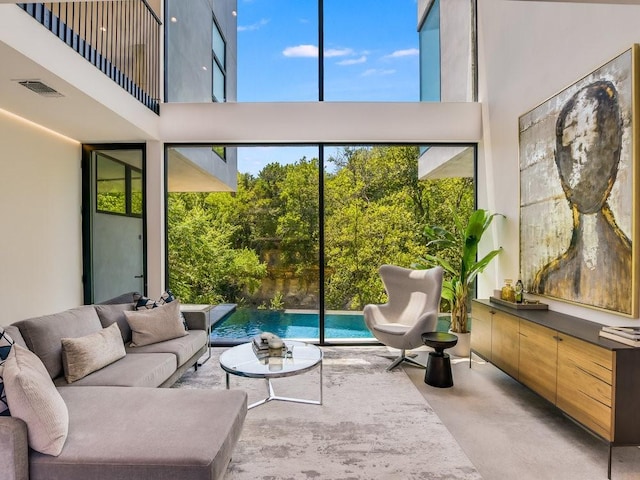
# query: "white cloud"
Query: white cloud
{"points": [[306, 51], [337, 52], [409, 52], [353, 61], [254, 26], [377, 72]]}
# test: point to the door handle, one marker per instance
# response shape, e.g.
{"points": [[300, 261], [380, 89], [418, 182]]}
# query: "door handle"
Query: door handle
{"points": [[139, 276]]}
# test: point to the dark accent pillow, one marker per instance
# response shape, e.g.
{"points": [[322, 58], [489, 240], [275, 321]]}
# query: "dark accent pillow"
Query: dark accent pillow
{"points": [[110, 314], [145, 303]]}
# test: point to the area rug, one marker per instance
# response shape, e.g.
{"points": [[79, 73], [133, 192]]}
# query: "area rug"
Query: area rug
{"points": [[373, 424]]}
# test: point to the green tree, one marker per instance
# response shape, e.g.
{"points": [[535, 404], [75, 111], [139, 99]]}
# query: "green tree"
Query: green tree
{"points": [[203, 265]]}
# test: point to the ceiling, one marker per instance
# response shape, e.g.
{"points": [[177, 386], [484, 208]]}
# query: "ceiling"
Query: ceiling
{"points": [[91, 109]]}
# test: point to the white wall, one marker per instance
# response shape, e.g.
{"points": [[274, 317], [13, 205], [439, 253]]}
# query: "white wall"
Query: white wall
{"points": [[528, 52], [40, 232]]}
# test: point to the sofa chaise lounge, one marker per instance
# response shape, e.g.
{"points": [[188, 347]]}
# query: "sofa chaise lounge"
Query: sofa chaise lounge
{"points": [[121, 426]]}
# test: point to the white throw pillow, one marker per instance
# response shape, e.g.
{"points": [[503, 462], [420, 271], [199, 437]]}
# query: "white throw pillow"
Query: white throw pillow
{"points": [[155, 325], [84, 355], [33, 397]]}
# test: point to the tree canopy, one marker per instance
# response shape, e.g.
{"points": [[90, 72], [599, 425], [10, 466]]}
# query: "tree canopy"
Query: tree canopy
{"points": [[263, 241]]}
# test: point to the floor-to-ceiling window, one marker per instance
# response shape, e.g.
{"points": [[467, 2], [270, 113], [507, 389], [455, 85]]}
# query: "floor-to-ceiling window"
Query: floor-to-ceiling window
{"points": [[303, 229], [295, 248]]}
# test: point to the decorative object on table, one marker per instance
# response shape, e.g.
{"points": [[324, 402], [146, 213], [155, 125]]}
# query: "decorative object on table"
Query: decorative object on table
{"points": [[412, 309], [462, 271], [508, 293], [577, 191], [627, 335], [268, 344], [525, 305], [519, 291]]}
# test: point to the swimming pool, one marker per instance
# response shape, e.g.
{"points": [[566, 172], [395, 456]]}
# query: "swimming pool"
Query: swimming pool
{"points": [[295, 324]]}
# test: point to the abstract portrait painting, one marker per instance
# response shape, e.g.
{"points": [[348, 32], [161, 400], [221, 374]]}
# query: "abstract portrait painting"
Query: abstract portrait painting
{"points": [[577, 191]]}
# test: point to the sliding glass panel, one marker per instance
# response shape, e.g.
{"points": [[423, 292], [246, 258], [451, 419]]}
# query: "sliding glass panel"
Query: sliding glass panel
{"points": [[376, 210], [255, 250]]}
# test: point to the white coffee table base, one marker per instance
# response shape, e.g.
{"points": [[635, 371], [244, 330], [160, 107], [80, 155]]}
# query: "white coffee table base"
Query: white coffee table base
{"points": [[273, 396], [241, 361]]}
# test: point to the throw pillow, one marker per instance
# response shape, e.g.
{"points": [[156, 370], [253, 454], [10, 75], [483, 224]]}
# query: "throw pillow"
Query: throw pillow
{"points": [[155, 325], [33, 398], [145, 303], [114, 313], [6, 342], [84, 355]]}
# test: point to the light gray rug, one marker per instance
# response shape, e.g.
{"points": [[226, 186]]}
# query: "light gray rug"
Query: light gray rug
{"points": [[373, 424]]}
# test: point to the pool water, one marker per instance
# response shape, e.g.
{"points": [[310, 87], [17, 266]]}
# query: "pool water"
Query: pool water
{"points": [[295, 324]]}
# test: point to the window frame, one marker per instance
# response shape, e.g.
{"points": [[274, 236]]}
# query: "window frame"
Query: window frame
{"points": [[218, 64]]}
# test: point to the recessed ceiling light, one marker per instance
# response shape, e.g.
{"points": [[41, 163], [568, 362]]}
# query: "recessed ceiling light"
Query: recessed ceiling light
{"points": [[234, 13], [204, 68], [174, 19]]}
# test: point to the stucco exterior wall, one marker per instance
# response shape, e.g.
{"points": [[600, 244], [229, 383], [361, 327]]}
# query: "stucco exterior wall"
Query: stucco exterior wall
{"points": [[528, 52], [40, 243], [189, 43]]}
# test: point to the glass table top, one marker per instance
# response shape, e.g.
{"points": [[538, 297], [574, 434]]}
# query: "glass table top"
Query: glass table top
{"points": [[241, 360]]}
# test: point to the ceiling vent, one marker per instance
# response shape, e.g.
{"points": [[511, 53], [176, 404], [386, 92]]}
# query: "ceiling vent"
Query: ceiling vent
{"points": [[40, 88]]}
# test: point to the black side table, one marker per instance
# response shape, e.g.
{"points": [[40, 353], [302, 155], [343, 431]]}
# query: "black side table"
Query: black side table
{"points": [[438, 372]]}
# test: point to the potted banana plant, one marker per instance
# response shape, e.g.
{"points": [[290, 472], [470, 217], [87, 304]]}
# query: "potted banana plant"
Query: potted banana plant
{"points": [[461, 267]]}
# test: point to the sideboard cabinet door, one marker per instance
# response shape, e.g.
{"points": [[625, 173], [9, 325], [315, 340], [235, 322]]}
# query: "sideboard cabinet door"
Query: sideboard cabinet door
{"points": [[505, 343], [481, 330], [539, 359]]}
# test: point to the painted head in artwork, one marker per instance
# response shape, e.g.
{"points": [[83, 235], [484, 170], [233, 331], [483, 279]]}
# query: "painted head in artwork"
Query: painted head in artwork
{"points": [[588, 144]]}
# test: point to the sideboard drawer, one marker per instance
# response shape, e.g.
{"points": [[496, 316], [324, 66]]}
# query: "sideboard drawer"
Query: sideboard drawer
{"points": [[585, 380], [592, 359]]}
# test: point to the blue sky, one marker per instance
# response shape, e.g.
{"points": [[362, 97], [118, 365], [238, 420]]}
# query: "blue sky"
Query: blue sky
{"points": [[371, 54]]}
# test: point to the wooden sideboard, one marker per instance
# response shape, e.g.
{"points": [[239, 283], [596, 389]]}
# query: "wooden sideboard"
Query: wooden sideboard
{"points": [[593, 380]]}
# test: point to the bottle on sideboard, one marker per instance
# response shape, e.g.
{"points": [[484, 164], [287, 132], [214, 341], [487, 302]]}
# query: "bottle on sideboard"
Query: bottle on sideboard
{"points": [[519, 291]]}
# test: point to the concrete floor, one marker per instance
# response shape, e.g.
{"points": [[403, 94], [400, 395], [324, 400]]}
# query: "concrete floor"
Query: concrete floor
{"points": [[510, 433]]}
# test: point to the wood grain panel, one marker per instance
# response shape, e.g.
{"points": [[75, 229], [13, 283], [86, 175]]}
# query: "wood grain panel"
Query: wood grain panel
{"points": [[505, 343], [595, 360], [585, 379], [539, 359], [481, 330]]}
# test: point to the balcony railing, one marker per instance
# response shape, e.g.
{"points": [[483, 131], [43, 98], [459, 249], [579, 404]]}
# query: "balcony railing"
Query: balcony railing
{"points": [[120, 37]]}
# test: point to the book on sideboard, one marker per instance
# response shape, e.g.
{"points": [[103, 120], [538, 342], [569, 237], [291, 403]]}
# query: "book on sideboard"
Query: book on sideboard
{"points": [[626, 332], [617, 338]]}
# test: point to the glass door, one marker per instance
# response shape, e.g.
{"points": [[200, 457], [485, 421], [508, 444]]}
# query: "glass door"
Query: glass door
{"points": [[113, 221]]}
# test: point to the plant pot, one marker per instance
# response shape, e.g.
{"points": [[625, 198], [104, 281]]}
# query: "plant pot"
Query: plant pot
{"points": [[463, 347]]}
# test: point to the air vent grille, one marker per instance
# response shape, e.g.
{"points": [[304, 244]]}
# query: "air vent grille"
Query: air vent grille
{"points": [[40, 88]]}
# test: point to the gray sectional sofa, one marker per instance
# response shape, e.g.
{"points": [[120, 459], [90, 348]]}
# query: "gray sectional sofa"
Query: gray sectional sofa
{"points": [[121, 426]]}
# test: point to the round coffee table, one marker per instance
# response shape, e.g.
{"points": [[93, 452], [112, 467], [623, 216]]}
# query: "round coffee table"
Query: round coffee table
{"points": [[243, 362], [438, 372]]}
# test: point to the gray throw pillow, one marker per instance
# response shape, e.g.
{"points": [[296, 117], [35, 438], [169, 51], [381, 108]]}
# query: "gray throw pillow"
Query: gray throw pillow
{"points": [[84, 355], [155, 325], [114, 313]]}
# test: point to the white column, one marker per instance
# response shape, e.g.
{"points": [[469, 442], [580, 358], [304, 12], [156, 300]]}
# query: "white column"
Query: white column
{"points": [[155, 219]]}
